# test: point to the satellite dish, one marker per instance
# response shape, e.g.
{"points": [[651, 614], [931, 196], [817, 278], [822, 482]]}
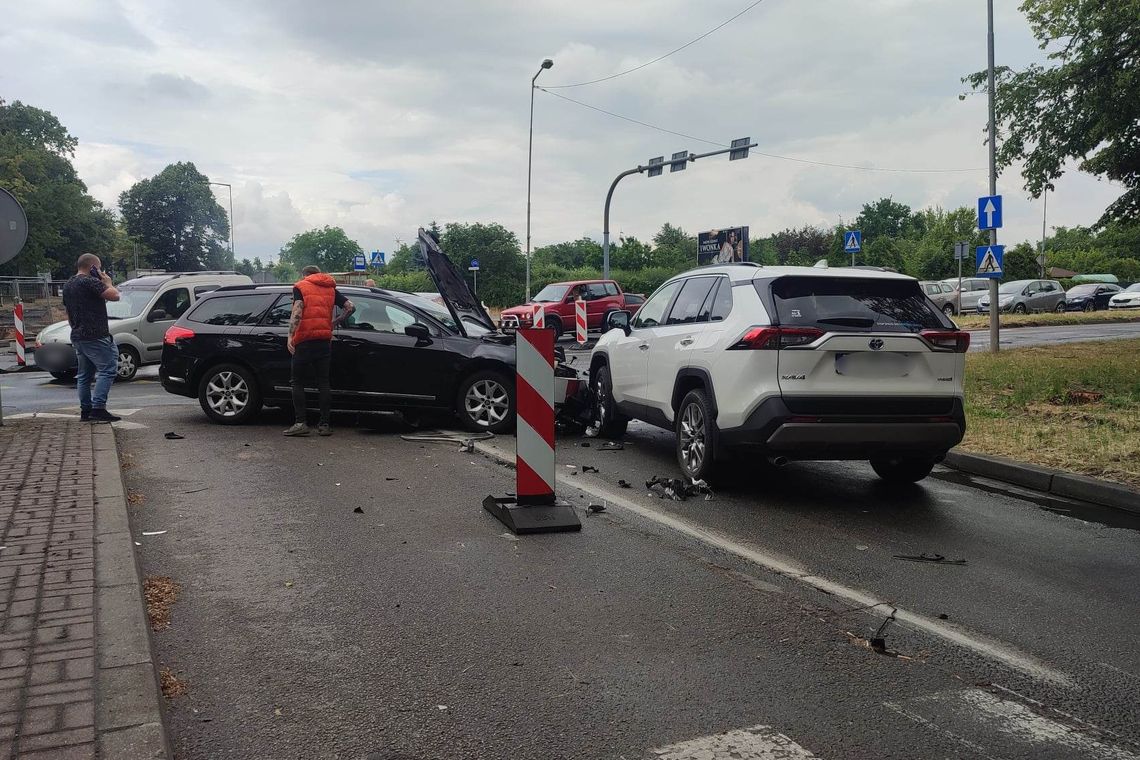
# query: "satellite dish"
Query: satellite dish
{"points": [[13, 227]]}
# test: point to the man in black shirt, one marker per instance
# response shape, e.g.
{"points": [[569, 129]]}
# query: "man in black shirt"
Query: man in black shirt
{"points": [[85, 297]]}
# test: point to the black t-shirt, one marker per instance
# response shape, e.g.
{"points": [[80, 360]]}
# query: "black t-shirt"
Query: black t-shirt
{"points": [[86, 308], [338, 300]]}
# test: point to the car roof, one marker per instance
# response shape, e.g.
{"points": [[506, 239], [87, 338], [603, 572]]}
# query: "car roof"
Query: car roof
{"points": [[286, 287], [745, 271], [577, 282], [155, 280]]}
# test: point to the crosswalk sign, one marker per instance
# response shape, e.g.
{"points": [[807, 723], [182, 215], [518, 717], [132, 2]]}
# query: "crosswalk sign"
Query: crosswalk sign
{"points": [[852, 241], [989, 261], [377, 258]]}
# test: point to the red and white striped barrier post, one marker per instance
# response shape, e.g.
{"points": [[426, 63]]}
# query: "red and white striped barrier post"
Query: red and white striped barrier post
{"points": [[19, 318], [580, 321], [534, 507], [538, 318]]}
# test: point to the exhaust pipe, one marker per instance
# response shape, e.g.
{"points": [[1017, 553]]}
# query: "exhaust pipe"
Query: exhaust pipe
{"points": [[778, 461]]}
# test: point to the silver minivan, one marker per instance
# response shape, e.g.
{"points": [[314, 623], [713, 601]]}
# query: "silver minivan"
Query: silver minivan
{"points": [[138, 320], [1023, 296], [973, 288]]}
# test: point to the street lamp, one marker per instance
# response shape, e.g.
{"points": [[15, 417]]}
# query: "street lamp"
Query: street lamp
{"points": [[231, 193], [546, 64]]}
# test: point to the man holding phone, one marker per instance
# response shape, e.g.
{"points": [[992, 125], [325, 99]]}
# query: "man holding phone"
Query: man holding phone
{"points": [[85, 297]]}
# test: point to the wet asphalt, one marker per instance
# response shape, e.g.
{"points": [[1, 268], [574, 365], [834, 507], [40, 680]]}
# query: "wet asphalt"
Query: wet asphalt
{"points": [[420, 628]]}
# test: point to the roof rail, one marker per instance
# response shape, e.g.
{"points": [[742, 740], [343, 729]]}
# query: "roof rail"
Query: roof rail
{"points": [[733, 264], [175, 275]]}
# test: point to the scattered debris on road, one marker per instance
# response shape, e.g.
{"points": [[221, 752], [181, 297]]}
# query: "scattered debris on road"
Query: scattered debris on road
{"points": [[135, 499], [172, 436], [594, 509], [358, 510], [624, 484], [585, 444], [153, 532], [677, 489], [611, 446], [161, 592], [935, 558], [589, 468], [171, 686]]}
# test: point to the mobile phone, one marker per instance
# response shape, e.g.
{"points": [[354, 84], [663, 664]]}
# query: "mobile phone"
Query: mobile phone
{"points": [[94, 271]]}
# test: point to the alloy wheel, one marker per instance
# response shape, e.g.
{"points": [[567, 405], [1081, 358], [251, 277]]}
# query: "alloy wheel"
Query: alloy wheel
{"points": [[693, 444], [487, 402], [125, 367], [227, 393]]}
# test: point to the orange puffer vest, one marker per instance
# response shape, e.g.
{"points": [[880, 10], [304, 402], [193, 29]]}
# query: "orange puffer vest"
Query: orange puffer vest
{"points": [[319, 292]]}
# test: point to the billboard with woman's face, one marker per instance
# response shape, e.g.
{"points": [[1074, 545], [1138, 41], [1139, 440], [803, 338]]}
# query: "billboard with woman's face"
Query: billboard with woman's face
{"points": [[722, 246]]}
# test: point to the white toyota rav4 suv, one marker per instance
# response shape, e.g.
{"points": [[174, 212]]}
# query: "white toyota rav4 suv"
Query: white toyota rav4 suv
{"points": [[787, 363]]}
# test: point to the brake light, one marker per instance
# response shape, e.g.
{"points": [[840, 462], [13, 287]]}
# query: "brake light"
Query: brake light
{"points": [[957, 341], [175, 334], [775, 338]]}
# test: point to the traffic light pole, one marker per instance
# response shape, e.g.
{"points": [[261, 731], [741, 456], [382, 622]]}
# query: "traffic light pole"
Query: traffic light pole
{"points": [[640, 170]]}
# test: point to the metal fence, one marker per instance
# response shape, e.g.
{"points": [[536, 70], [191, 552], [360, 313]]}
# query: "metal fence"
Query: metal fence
{"points": [[43, 304]]}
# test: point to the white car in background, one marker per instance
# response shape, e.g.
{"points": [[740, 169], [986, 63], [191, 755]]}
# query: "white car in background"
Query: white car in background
{"points": [[1129, 298], [787, 363]]}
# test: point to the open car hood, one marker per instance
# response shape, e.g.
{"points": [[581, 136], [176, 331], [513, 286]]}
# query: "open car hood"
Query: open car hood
{"points": [[463, 304]]}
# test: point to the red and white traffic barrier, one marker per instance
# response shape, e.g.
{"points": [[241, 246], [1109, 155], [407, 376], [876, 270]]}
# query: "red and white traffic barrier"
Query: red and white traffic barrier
{"points": [[19, 318], [580, 321], [538, 318]]}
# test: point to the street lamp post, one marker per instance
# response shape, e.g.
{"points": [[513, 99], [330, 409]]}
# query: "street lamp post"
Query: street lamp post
{"points": [[228, 187], [995, 344], [546, 64]]}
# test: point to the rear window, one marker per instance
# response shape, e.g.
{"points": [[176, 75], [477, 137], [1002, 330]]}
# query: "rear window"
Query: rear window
{"points": [[857, 305], [231, 310]]}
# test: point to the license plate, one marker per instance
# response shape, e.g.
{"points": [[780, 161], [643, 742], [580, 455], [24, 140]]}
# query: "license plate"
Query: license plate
{"points": [[870, 364]]}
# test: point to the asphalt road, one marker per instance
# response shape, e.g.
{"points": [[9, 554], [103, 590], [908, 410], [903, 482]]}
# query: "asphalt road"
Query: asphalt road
{"points": [[1018, 337], [420, 628], [38, 392]]}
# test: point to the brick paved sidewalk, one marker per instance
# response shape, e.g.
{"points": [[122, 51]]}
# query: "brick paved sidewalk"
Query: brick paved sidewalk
{"points": [[47, 585]]}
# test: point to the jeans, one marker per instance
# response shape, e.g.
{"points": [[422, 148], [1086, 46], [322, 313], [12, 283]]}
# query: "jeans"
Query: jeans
{"points": [[312, 355], [98, 359]]}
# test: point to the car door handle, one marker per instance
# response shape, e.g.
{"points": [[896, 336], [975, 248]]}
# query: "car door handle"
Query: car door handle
{"points": [[686, 341], [644, 346]]}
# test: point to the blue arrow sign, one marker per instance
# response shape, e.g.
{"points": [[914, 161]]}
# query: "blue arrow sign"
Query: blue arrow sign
{"points": [[377, 258], [989, 261], [989, 212], [359, 263], [852, 241]]}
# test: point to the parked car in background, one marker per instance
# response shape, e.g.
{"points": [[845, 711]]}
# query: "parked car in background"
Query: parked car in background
{"points": [[1129, 298], [557, 302], [138, 320], [1090, 297], [973, 288], [943, 295], [1023, 296]]}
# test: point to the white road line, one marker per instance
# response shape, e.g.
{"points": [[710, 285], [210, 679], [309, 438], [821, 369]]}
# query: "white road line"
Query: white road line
{"points": [[932, 726], [992, 649], [755, 743]]}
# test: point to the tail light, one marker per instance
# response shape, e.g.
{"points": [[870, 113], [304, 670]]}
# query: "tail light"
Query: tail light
{"points": [[175, 334], [957, 341], [775, 338]]}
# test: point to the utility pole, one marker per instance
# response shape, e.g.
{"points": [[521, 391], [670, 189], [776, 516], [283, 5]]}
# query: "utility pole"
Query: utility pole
{"points": [[994, 307], [1044, 215]]}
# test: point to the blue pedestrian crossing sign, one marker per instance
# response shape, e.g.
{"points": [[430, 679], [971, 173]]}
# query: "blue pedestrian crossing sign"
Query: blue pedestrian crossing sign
{"points": [[377, 258], [852, 241], [989, 212], [989, 261], [359, 263]]}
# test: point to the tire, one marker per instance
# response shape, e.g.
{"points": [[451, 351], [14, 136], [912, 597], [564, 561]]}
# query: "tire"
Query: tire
{"points": [[555, 324], [67, 374], [1060, 308], [1090, 306], [948, 309], [607, 421], [696, 437], [903, 469], [1019, 308], [229, 395], [128, 364], [486, 402]]}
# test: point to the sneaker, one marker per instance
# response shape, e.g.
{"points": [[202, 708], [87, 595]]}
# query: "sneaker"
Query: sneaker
{"points": [[84, 415], [101, 415], [299, 429], [324, 429]]}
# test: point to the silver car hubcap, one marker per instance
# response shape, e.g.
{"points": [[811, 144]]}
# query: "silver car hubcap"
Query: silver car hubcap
{"points": [[693, 438], [227, 394], [126, 365], [487, 402]]}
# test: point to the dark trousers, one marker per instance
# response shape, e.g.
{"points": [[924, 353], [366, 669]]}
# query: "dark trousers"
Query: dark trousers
{"points": [[312, 356]]}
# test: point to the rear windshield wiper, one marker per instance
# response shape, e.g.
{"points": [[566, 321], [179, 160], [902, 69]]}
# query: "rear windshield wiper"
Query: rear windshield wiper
{"points": [[848, 321]]}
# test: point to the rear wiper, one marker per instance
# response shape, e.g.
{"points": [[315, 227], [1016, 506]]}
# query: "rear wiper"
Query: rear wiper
{"points": [[848, 321]]}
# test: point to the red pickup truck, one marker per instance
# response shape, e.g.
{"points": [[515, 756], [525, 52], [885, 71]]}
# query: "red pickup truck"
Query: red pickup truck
{"points": [[557, 301]]}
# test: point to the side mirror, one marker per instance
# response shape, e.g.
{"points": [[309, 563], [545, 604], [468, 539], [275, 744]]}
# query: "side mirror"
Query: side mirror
{"points": [[156, 315], [618, 320], [420, 332]]}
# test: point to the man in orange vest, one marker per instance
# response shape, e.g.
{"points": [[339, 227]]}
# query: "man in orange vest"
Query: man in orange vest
{"points": [[311, 325]]}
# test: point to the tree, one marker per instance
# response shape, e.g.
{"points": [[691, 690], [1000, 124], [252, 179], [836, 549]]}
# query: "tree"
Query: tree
{"points": [[569, 255], [673, 248], [245, 266], [176, 216], [1084, 105], [499, 255], [328, 248], [887, 218], [63, 220], [406, 258]]}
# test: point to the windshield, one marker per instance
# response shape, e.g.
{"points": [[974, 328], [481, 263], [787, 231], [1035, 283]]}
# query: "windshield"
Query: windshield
{"points": [[1082, 290], [1133, 288], [131, 303], [440, 313], [551, 294], [1012, 288]]}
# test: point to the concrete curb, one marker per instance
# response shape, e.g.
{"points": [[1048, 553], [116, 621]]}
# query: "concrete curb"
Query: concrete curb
{"points": [[128, 700], [1047, 480]]}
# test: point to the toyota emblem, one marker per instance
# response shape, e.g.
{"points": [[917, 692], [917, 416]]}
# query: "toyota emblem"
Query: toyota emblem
{"points": [[876, 345]]}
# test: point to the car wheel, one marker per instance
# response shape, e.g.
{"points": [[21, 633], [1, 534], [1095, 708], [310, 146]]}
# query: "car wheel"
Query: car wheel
{"points": [[902, 469], [128, 364], [696, 437], [486, 402], [607, 421], [1060, 308], [1019, 308], [554, 324], [1089, 306], [65, 375], [948, 309], [229, 394]]}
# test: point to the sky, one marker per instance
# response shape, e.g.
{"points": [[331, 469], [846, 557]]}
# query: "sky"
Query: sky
{"points": [[381, 116]]}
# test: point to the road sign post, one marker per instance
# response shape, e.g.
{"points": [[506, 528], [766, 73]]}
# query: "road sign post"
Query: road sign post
{"points": [[474, 270], [852, 243], [359, 263]]}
